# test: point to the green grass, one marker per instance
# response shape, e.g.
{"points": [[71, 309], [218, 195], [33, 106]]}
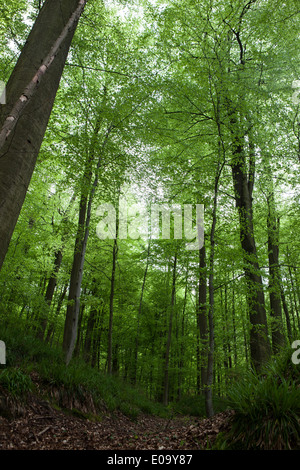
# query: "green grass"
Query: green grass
{"points": [[267, 408], [17, 383], [76, 383]]}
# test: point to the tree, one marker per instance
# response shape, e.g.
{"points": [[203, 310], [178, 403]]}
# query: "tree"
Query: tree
{"points": [[31, 90]]}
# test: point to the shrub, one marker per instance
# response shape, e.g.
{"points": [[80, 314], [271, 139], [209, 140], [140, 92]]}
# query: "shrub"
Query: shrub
{"points": [[267, 408]]}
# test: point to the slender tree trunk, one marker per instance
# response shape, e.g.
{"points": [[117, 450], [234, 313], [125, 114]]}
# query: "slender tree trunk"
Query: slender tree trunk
{"points": [[87, 196], [234, 325], [278, 339], [30, 91], [111, 309], [133, 378], [202, 317], [53, 277], [169, 337], [89, 334], [293, 287], [211, 338], [286, 313], [71, 322], [182, 333], [51, 327], [49, 293]]}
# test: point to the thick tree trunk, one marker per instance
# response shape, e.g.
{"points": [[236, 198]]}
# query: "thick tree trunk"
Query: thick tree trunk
{"points": [[30, 92], [259, 343]]}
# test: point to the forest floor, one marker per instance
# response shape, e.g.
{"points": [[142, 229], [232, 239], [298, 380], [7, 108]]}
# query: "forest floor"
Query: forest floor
{"points": [[41, 426]]}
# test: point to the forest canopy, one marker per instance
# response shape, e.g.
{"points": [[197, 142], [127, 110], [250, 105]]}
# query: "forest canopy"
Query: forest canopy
{"points": [[115, 108]]}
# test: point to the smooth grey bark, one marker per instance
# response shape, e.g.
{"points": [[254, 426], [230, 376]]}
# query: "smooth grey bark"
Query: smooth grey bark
{"points": [[30, 93]]}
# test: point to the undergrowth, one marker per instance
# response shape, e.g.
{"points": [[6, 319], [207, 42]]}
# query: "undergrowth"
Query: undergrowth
{"points": [[267, 408], [78, 380]]}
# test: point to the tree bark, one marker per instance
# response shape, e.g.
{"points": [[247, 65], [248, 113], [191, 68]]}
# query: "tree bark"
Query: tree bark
{"points": [[278, 339], [202, 316], [111, 308], [243, 186], [134, 368], [86, 200], [169, 337], [211, 335], [49, 293], [30, 91]]}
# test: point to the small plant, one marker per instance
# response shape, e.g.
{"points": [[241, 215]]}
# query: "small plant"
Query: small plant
{"points": [[16, 382]]}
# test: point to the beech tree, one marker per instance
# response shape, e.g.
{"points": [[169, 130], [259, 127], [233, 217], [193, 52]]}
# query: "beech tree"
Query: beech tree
{"points": [[30, 94]]}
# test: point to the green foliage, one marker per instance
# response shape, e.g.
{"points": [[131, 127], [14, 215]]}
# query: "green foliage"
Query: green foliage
{"points": [[267, 408], [108, 392], [195, 405], [25, 350], [163, 80], [17, 383], [27, 354]]}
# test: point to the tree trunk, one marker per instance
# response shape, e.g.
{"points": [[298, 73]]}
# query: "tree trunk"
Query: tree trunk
{"points": [[71, 322], [111, 308], [30, 91], [182, 345], [134, 368], [211, 337], [52, 325], [243, 186], [89, 334], [49, 293], [202, 317], [278, 339], [286, 313], [86, 200], [168, 346]]}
